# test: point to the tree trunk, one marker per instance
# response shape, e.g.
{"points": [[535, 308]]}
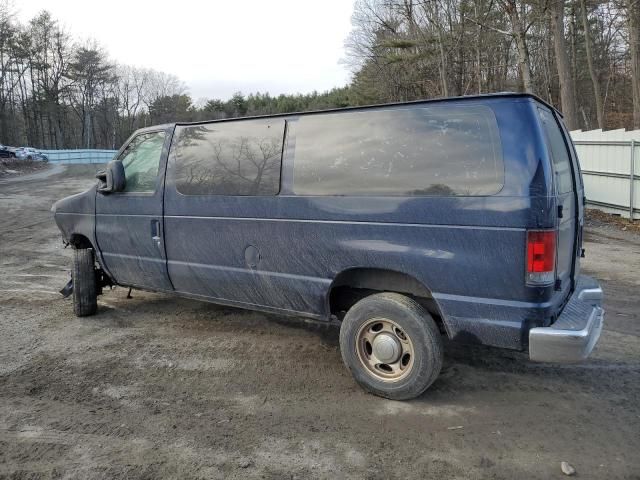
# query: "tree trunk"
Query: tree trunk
{"points": [[443, 66], [87, 129], [567, 99], [478, 46], [523, 60], [592, 68], [520, 36], [633, 21], [574, 56]]}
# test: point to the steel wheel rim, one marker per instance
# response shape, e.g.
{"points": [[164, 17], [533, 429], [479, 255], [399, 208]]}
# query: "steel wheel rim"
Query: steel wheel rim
{"points": [[384, 349]]}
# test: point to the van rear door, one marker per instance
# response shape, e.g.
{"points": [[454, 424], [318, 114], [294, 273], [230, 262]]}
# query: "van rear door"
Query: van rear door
{"points": [[566, 200]]}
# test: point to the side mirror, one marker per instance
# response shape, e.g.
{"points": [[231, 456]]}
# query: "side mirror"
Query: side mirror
{"points": [[112, 179]]}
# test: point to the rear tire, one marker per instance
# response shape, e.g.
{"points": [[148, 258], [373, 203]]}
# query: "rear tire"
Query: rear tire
{"points": [[392, 328], [85, 287]]}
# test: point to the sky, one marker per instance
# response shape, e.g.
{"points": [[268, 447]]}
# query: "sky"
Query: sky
{"points": [[217, 47]]}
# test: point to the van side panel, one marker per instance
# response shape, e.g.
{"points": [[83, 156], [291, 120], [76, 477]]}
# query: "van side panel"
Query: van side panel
{"points": [[283, 252]]}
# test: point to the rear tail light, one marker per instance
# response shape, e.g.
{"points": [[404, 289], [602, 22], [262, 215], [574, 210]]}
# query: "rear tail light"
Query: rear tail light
{"points": [[541, 257]]}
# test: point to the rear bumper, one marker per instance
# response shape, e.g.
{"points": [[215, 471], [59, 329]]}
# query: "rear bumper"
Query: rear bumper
{"points": [[574, 334]]}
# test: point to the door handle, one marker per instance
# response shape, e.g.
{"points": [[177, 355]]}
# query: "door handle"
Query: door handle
{"points": [[155, 233]]}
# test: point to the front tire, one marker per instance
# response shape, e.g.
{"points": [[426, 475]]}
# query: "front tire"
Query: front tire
{"points": [[85, 286], [391, 345]]}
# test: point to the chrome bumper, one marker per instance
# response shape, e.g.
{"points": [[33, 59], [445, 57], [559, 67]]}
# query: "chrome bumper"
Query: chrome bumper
{"points": [[574, 334]]}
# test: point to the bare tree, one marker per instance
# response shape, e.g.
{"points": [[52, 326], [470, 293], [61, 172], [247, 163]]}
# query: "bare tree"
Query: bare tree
{"points": [[595, 80], [159, 84], [434, 15], [130, 91], [633, 22], [567, 98], [519, 28], [9, 73]]}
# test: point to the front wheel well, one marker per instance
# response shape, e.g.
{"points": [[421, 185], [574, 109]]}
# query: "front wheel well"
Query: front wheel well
{"points": [[79, 241]]}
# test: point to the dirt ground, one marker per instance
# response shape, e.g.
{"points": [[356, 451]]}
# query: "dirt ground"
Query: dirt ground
{"points": [[12, 166], [159, 387]]}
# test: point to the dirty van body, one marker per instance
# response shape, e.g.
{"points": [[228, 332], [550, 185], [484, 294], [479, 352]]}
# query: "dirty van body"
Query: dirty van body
{"points": [[405, 222]]}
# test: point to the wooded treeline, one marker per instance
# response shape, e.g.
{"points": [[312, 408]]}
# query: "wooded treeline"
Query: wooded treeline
{"points": [[583, 56]]}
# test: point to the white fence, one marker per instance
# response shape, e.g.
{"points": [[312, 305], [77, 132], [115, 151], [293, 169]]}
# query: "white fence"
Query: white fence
{"points": [[79, 156], [610, 164]]}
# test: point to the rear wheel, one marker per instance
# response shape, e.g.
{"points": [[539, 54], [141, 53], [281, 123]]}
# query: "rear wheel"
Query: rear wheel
{"points": [[85, 286], [391, 345]]}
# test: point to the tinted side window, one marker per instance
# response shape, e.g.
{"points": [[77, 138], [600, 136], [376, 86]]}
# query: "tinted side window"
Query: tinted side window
{"points": [[410, 151], [558, 151], [229, 158], [140, 159]]}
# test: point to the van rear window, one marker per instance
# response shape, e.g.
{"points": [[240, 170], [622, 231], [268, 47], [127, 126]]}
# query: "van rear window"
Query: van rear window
{"points": [[229, 158], [438, 151]]}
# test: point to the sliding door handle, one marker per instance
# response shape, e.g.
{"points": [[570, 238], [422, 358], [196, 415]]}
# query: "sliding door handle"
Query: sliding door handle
{"points": [[156, 234]]}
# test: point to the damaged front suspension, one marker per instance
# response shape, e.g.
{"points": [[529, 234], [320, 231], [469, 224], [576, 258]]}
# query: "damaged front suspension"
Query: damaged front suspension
{"points": [[102, 280]]}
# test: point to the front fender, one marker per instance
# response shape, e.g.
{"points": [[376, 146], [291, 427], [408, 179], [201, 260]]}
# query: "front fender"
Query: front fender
{"points": [[75, 215]]}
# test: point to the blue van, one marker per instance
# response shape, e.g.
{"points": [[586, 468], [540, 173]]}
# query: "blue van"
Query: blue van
{"points": [[404, 222]]}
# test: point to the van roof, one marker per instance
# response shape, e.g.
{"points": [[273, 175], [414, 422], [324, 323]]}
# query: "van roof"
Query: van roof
{"points": [[364, 107]]}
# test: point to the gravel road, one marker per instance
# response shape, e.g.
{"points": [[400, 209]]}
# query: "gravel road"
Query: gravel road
{"points": [[159, 387]]}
